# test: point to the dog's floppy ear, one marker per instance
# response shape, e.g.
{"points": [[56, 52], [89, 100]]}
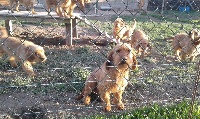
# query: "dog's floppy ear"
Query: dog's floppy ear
{"points": [[193, 34], [196, 41], [149, 46], [109, 61], [137, 48], [135, 63]]}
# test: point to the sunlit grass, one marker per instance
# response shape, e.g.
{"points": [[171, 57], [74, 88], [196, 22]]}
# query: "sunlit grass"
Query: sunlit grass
{"points": [[176, 111]]}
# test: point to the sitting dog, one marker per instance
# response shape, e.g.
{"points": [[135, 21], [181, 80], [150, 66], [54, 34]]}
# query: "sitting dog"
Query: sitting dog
{"points": [[29, 4], [186, 45], [139, 41], [112, 77], [65, 7], [25, 52], [121, 31]]}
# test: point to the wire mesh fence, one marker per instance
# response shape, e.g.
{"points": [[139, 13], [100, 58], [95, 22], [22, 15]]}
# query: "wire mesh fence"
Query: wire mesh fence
{"points": [[49, 89]]}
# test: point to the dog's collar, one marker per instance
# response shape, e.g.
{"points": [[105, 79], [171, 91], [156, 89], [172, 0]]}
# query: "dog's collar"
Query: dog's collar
{"points": [[111, 65]]}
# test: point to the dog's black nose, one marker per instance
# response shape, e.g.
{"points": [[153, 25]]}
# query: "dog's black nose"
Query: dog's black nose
{"points": [[124, 60], [42, 58]]}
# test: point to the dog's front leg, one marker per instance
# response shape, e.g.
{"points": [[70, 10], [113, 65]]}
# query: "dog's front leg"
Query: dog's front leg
{"points": [[59, 11], [118, 100], [12, 61], [142, 55], [17, 6], [32, 9], [27, 67], [192, 58], [105, 97], [177, 53], [71, 10], [66, 11]]}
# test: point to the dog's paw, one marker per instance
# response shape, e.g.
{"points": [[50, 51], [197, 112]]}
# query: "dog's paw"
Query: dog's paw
{"points": [[120, 106], [107, 108], [33, 12], [72, 16]]}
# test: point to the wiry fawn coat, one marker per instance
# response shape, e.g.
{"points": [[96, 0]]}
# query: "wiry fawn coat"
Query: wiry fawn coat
{"points": [[111, 77], [186, 45]]}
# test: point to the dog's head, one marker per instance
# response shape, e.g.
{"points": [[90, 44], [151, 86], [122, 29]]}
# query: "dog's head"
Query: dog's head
{"points": [[82, 3], [36, 55], [143, 45], [122, 56], [119, 22]]}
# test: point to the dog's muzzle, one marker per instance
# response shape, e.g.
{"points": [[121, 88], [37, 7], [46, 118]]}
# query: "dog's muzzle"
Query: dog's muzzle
{"points": [[42, 59], [123, 61]]}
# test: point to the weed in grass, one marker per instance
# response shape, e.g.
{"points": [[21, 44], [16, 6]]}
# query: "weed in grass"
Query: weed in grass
{"points": [[4, 64], [83, 50], [78, 73], [21, 81]]}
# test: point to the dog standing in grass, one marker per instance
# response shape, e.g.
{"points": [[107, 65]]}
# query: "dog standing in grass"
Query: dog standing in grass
{"points": [[186, 45], [29, 4], [22, 51], [65, 7], [139, 41], [112, 77], [121, 31]]}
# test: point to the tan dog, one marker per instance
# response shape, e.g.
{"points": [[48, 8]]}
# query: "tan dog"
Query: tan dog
{"points": [[186, 45], [139, 41], [112, 77], [25, 52], [121, 31], [65, 7], [29, 4]]}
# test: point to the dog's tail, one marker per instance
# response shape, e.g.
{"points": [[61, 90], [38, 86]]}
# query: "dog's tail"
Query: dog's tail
{"points": [[80, 96], [134, 24], [3, 32], [170, 38]]}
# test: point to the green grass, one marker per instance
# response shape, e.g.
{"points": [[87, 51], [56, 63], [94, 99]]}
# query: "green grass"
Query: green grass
{"points": [[176, 111]]}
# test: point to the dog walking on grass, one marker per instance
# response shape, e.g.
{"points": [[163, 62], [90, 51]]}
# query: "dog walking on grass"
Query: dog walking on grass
{"points": [[22, 51]]}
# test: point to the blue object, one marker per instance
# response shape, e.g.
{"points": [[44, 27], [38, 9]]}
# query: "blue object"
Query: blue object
{"points": [[184, 9]]}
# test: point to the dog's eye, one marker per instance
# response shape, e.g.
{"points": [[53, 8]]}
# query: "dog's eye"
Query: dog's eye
{"points": [[118, 51], [129, 50], [36, 54]]}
